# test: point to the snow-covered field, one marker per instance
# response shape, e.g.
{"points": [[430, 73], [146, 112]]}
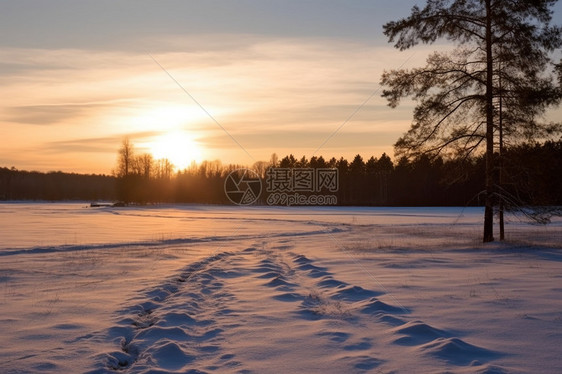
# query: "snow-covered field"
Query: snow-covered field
{"points": [[192, 289]]}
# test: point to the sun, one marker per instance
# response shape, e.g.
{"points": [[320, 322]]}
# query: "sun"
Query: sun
{"points": [[178, 147]]}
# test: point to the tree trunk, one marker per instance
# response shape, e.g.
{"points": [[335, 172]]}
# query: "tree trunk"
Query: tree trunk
{"points": [[500, 161], [489, 207]]}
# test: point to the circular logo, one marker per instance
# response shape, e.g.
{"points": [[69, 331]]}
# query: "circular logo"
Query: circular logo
{"points": [[242, 186]]}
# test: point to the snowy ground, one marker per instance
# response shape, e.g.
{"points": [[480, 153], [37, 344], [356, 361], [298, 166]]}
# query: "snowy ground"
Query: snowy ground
{"points": [[274, 290]]}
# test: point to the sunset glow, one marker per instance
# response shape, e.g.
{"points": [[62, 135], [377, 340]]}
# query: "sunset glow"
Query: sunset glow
{"points": [[178, 147], [275, 78]]}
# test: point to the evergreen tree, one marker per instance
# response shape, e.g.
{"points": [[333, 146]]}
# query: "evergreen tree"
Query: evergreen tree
{"points": [[456, 113], [357, 166]]}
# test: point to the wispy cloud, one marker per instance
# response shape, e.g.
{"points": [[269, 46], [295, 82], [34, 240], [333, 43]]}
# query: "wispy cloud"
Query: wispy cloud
{"points": [[107, 144], [303, 140], [271, 94], [51, 114]]}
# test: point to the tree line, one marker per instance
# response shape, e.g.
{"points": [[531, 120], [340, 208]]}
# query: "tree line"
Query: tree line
{"points": [[532, 176], [55, 186]]}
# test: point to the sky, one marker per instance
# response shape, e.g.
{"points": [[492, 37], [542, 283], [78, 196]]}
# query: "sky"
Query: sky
{"points": [[193, 80]]}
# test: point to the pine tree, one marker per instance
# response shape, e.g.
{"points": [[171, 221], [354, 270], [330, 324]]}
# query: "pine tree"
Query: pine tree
{"points": [[457, 91]]}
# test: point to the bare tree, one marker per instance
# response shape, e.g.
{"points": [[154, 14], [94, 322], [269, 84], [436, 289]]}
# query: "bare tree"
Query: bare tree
{"points": [[163, 169], [146, 162], [125, 159], [260, 167]]}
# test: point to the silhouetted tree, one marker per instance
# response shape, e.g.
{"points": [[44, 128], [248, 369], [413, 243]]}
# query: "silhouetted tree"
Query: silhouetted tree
{"points": [[357, 166], [302, 163], [273, 160], [385, 163], [319, 162], [456, 91], [371, 166], [260, 167], [163, 169], [288, 162], [125, 159], [126, 163]]}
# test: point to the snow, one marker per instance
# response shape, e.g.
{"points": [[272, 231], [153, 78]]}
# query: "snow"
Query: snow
{"points": [[191, 289]]}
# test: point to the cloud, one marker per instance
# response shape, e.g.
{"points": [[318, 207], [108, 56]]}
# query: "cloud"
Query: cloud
{"points": [[299, 138], [91, 145], [76, 77], [52, 114], [107, 144], [271, 94], [125, 25]]}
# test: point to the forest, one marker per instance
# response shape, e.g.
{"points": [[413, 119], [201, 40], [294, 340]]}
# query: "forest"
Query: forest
{"points": [[531, 175], [55, 186]]}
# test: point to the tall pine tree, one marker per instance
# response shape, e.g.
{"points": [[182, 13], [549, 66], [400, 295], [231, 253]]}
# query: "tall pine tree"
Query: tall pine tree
{"points": [[457, 91]]}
